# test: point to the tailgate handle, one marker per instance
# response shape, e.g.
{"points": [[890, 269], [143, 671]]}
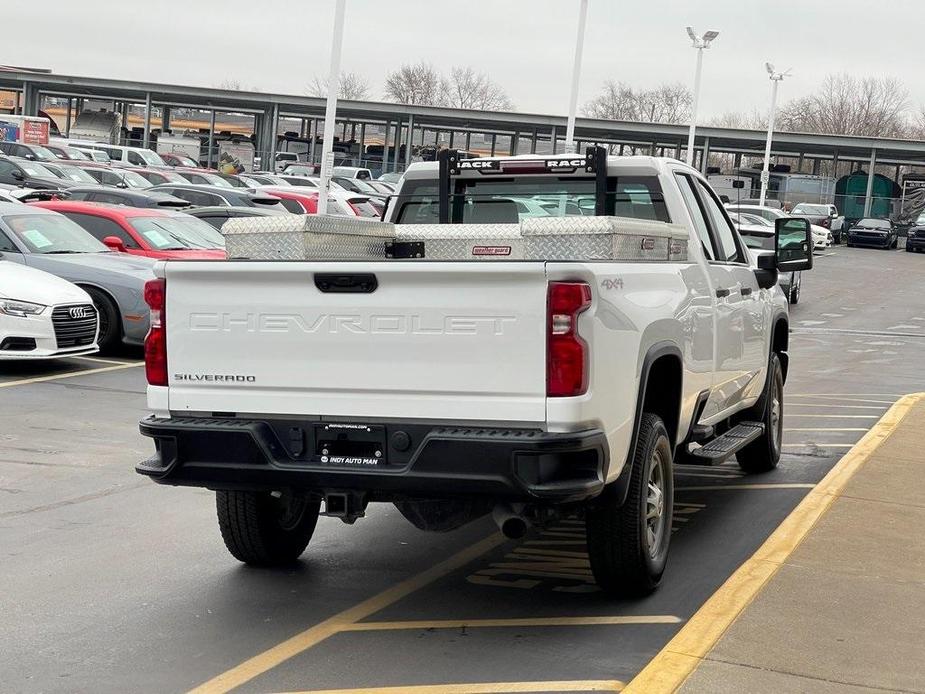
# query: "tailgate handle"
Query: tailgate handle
{"points": [[335, 283]]}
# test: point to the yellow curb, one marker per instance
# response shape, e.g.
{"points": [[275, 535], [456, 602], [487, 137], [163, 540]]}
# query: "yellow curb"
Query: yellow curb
{"points": [[669, 669]]}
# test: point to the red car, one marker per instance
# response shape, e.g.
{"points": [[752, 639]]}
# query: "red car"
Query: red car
{"points": [[152, 233]]}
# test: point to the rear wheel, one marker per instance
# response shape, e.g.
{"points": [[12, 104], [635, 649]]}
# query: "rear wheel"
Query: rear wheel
{"points": [[763, 454], [266, 530], [110, 335], [628, 543]]}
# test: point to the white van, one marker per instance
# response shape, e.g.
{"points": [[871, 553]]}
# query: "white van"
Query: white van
{"points": [[124, 156]]}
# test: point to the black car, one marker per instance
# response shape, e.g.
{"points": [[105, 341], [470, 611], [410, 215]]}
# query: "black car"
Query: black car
{"points": [[872, 231], [127, 197], [218, 196], [217, 216], [30, 174], [30, 152], [915, 236]]}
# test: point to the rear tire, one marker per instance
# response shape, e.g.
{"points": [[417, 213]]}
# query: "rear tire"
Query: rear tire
{"points": [[763, 454], [628, 544], [263, 530], [110, 336]]}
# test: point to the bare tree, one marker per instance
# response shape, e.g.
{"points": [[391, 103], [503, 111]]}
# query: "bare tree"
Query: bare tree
{"points": [[353, 87], [415, 84], [667, 103], [230, 84], [466, 88], [848, 105], [756, 120]]}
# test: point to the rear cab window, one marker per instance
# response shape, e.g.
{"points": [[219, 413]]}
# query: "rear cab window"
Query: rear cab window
{"points": [[508, 200]]}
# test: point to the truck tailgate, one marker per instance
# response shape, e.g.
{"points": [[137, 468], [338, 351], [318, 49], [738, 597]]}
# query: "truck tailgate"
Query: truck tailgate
{"points": [[461, 341]]}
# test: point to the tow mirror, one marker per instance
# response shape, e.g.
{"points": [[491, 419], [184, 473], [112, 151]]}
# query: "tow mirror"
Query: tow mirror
{"points": [[114, 243], [793, 244]]}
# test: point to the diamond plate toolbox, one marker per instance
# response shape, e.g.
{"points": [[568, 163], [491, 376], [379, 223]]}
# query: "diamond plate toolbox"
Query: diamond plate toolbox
{"points": [[603, 238], [306, 237], [465, 241]]}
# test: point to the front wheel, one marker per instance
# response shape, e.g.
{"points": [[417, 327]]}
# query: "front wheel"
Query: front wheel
{"points": [[110, 335], [264, 529], [628, 543], [763, 454]]}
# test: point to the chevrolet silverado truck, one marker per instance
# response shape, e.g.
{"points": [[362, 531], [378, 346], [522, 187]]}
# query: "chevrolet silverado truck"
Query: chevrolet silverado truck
{"points": [[470, 377]]}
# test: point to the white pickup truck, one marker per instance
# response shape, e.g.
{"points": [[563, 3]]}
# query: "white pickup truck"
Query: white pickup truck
{"points": [[527, 388]]}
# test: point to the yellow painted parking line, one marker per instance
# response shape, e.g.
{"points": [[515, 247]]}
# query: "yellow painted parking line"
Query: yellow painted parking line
{"points": [[484, 688], [771, 485], [668, 670], [69, 374], [98, 360], [514, 622], [312, 636]]}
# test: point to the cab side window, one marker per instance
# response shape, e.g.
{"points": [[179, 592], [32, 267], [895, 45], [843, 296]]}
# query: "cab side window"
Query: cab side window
{"points": [[700, 222], [727, 248]]}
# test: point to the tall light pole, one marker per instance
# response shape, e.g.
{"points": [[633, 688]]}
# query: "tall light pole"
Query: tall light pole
{"points": [[700, 43], [330, 110], [776, 78], [576, 75]]}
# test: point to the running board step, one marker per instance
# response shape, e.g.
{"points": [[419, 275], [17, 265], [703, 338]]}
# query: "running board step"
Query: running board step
{"points": [[724, 447]]}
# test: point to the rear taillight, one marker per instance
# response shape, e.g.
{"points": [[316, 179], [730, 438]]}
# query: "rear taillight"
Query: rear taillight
{"points": [[566, 352], [156, 339]]}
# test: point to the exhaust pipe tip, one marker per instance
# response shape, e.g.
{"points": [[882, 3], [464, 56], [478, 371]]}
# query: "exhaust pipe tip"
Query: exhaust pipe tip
{"points": [[514, 528], [510, 521]]}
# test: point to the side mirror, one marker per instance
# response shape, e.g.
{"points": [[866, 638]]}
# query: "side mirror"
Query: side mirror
{"points": [[793, 245], [17, 175], [114, 243], [30, 157]]}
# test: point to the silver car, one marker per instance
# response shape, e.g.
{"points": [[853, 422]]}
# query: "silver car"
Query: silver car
{"points": [[115, 281]]}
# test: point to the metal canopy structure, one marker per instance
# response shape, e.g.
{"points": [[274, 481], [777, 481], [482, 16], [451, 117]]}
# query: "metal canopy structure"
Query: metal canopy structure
{"points": [[267, 106]]}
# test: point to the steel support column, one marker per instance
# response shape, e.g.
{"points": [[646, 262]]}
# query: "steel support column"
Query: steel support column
{"points": [[553, 138], [468, 140], [409, 141], [67, 118], [146, 135], [705, 156], [494, 142], [165, 118], [533, 142], [209, 158], [312, 136], [870, 182]]}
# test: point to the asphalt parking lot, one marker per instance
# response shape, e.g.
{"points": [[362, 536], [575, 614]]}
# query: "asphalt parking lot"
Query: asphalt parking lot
{"points": [[113, 584]]}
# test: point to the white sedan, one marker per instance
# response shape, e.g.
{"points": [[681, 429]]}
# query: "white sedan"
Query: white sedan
{"points": [[43, 316]]}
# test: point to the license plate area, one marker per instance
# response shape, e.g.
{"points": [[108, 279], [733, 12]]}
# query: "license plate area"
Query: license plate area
{"points": [[353, 445]]}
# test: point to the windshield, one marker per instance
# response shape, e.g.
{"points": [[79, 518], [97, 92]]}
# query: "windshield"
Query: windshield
{"points": [[508, 200], [75, 153], [811, 209], [177, 233], [33, 169], [151, 158], [132, 179], [185, 160], [52, 233], [72, 173], [42, 153], [874, 223]]}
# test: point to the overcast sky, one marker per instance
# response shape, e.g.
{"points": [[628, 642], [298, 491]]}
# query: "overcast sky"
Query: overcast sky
{"points": [[525, 45]]}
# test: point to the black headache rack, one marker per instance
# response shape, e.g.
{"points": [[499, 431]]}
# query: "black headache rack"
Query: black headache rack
{"points": [[451, 164]]}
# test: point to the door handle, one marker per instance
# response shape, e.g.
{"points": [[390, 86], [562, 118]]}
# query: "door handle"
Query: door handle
{"points": [[720, 293], [746, 291], [332, 283]]}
